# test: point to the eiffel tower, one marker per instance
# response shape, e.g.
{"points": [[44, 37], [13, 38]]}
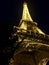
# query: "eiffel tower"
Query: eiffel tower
{"points": [[32, 46]]}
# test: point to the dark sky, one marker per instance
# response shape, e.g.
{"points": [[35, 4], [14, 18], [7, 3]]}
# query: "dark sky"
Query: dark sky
{"points": [[11, 13]]}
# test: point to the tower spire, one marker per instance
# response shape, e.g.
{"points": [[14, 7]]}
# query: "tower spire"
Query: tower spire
{"points": [[27, 23], [26, 15]]}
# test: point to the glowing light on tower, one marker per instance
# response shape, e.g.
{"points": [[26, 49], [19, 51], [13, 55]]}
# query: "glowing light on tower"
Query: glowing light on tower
{"points": [[26, 15]]}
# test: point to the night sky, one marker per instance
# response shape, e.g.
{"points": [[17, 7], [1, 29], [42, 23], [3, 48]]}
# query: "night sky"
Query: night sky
{"points": [[11, 13]]}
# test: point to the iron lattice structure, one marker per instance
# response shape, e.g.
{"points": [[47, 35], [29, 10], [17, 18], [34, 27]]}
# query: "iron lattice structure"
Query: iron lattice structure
{"points": [[31, 40]]}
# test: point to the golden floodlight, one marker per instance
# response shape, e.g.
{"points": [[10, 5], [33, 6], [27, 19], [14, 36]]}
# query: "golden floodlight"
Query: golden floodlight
{"points": [[26, 14], [27, 18], [31, 44]]}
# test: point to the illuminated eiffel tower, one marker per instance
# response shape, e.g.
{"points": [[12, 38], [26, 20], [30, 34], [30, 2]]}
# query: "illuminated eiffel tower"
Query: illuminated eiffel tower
{"points": [[32, 43]]}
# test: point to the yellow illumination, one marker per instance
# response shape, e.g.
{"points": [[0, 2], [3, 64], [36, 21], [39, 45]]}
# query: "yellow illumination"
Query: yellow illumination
{"points": [[39, 44], [40, 31], [23, 26], [26, 15]]}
